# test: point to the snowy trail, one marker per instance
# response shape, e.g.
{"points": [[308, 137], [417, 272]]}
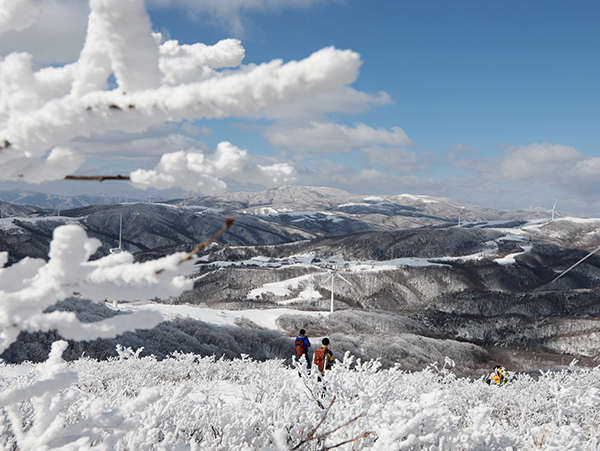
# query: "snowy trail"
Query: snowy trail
{"points": [[263, 318]]}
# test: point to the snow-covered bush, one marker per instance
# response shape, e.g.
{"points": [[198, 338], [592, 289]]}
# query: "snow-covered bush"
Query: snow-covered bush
{"points": [[191, 402], [41, 112]]}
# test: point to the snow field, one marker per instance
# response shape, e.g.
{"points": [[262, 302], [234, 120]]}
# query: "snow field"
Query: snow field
{"points": [[263, 317], [191, 403]]}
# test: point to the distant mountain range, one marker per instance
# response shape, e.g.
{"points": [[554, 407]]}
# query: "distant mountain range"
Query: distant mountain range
{"points": [[487, 281], [45, 201], [398, 211], [279, 216]]}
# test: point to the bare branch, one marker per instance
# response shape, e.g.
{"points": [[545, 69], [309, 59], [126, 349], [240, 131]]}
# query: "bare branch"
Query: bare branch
{"points": [[311, 436], [99, 178], [227, 226], [338, 428], [366, 434], [191, 255]]}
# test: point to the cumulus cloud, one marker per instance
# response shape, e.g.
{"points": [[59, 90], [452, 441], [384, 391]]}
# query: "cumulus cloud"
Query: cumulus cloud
{"points": [[345, 100], [394, 159], [229, 14], [194, 171], [197, 132], [56, 105], [539, 163], [59, 163], [319, 138], [537, 174], [18, 14], [139, 149], [323, 172], [53, 31]]}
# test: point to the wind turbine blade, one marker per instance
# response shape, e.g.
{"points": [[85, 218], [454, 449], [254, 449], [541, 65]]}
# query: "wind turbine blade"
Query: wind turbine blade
{"points": [[327, 280], [344, 279], [567, 270]]}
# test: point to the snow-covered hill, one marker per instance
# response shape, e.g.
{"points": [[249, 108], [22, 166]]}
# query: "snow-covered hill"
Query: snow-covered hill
{"points": [[486, 282], [188, 402]]}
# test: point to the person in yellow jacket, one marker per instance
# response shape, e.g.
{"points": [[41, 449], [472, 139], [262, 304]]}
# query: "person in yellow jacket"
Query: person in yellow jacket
{"points": [[499, 376], [323, 357]]}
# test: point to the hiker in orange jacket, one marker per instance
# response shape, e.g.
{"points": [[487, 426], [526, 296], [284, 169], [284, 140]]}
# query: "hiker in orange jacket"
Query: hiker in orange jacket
{"points": [[323, 357]]}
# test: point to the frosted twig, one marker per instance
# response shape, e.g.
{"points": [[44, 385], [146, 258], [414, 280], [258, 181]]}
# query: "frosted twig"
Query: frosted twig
{"points": [[99, 178], [366, 434], [188, 257], [311, 436], [227, 226], [338, 428]]}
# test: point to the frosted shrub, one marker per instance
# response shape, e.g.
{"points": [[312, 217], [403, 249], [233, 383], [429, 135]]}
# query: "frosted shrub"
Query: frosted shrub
{"points": [[190, 402]]}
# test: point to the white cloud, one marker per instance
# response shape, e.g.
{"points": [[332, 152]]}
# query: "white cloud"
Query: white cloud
{"points": [[536, 174], [320, 138], [139, 149], [195, 171], [18, 14], [365, 181], [230, 14], [539, 163], [197, 132], [59, 163], [55, 35], [345, 100], [465, 148], [394, 159]]}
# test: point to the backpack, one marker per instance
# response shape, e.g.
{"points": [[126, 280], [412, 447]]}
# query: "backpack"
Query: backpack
{"points": [[321, 359], [299, 347]]}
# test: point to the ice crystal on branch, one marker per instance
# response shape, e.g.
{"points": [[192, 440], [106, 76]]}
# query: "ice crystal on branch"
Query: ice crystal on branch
{"points": [[32, 285], [40, 112]]}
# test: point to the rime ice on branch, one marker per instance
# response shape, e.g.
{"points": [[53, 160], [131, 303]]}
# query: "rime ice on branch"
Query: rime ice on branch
{"points": [[40, 112], [32, 285]]}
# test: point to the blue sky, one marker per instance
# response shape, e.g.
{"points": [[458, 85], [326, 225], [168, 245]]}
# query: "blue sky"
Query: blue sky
{"points": [[498, 101]]}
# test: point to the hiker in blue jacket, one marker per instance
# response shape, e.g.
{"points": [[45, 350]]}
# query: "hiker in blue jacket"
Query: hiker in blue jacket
{"points": [[302, 344]]}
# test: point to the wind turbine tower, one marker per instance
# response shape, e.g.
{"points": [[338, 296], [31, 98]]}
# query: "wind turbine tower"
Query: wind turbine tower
{"points": [[334, 274], [116, 250]]}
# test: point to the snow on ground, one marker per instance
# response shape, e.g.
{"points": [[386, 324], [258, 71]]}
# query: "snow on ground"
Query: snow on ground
{"points": [[202, 209], [263, 318], [510, 258], [8, 223], [306, 215], [308, 294], [279, 288]]}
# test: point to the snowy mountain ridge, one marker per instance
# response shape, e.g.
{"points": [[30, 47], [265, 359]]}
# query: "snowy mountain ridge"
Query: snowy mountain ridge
{"points": [[481, 283]]}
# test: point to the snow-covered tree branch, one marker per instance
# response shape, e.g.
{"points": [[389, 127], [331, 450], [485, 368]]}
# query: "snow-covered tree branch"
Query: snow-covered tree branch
{"points": [[125, 80], [32, 285], [41, 111]]}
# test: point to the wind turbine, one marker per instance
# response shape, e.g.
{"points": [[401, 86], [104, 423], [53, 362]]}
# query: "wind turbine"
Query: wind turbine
{"points": [[116, 250], [553, 210], [459, 212], [334, 274]]}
